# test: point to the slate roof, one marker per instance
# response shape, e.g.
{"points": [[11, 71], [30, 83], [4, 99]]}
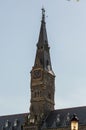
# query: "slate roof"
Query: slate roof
{"points": [[56, 119], [12, 122], [61, 117]]}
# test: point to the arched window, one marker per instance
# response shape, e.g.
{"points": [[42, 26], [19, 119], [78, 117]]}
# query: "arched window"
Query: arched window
{"points": [[35, 94], [49, 95], [47, 62]]}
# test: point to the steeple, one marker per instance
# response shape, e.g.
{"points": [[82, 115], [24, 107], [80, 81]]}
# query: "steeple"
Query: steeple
{"points": [[42, 54], [43, 34], [42, 83], [42, 77]]}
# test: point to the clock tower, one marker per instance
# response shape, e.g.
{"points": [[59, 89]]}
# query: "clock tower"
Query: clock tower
{"points": [[42, 78]]}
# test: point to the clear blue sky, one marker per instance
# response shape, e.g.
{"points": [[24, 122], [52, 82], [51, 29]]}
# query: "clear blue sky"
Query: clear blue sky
{"points": [[19, 31]]}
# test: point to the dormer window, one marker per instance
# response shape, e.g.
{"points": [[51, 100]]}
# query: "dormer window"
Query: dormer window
{"points": [[58, 118], [7, 124], [68, 117], [15, 122], [29, 116]]}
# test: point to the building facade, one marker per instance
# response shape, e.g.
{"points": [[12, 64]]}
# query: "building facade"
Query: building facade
{"points": [[42, 114]]}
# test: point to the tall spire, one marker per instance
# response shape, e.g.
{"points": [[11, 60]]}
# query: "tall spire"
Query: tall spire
{"points": [[43, 34], [43, 59]]}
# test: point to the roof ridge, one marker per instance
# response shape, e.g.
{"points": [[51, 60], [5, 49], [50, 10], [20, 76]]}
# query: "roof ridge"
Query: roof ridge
{"points": [[70, 108], [14, 115]]}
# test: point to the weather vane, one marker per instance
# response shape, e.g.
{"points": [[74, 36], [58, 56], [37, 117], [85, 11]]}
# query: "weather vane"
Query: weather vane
{"points": [[43, 14], [43, 11]]}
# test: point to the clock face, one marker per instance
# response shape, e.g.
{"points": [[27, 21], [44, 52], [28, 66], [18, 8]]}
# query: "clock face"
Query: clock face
{"points": [[36, 74]]}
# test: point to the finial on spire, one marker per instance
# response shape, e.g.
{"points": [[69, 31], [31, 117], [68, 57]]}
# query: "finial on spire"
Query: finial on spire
{"points": [[43, 15]]}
